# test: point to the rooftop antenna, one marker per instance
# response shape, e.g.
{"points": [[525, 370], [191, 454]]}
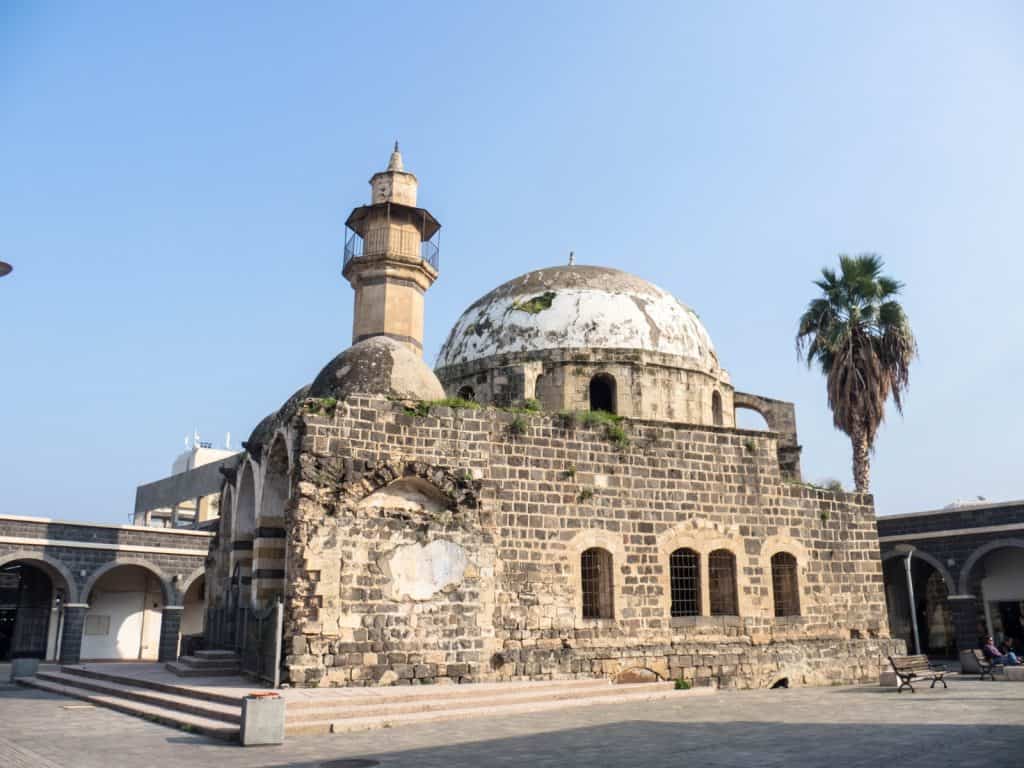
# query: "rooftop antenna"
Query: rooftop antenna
{"points": [[572, 258]]}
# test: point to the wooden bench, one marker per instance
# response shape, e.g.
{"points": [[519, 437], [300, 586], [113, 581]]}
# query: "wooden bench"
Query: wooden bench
{"points": [[917, 668]]}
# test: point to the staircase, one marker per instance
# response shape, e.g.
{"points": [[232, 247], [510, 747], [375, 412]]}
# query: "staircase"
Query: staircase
{"points": [[213, 706], [209, 713], [357, 709], [206, 664]]}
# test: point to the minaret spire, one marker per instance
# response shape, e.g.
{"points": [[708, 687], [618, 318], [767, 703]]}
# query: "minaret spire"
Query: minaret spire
{"points": [[395, 163]]}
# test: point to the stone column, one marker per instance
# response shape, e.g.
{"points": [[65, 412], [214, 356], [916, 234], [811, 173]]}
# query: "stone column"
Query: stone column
{"points": [[965, 620], [71, 632], [170, 627]]}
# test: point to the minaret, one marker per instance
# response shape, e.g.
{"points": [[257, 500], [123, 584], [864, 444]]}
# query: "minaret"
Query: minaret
{"points": [[391, 258]]}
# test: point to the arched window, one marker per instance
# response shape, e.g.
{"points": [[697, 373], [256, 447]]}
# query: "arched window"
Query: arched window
{"points": [[602, 393], [785, 589], [466, 393], [538, 384], [722, 583], [597, 583], [684, 580], [716, 409]]}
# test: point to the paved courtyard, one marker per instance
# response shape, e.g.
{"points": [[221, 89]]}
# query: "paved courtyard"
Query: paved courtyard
{"points": [[971, 724]]}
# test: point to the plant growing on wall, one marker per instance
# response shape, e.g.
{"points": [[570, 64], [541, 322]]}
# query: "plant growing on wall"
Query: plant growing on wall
{"points": [[859, 334], [536, 304]]}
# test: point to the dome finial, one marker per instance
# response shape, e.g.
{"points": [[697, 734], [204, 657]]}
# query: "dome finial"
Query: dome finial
{"points": [[395, 163]]}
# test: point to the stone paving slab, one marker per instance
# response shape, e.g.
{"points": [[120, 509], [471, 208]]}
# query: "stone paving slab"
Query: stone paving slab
{"points": [[971, 724]]}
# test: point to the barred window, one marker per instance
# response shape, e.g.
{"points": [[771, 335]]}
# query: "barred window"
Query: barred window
{"points": [[684, 580], [722, 583], [785, 589], [598, 583]]}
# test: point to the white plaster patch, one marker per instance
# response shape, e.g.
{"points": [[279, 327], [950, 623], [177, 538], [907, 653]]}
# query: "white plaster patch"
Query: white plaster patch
{"points": [[418, 572]]}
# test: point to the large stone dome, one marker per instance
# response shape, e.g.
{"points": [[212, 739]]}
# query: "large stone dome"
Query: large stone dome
{"points": [[578, 307]]}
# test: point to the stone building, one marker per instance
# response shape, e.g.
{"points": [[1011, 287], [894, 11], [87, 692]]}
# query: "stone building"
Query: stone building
{"points": [[962, 570], [580, 504], [74, 591]]}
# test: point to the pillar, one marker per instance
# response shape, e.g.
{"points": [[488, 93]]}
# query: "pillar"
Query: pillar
{"points": [[170, 629], [965, 620], [71, 633]]}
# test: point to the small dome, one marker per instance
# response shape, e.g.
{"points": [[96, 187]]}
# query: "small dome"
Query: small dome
{"points": [[574, 307], [378, 365]]}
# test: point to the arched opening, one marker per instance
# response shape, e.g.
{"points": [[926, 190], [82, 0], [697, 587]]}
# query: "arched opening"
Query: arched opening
{"points": [[724, 597], [466, 393], [31, 593], [995, 578], [603, 394], [684, 580], [244, 530], [194, 603], [269, 552], [748, 418], [598, 582], [716, 409], [785, 588], [126, 606], [538, 389], [931, 609]]}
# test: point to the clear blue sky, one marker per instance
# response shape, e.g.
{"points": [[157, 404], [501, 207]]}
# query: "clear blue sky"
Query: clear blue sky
{"points": [[175, 178]]}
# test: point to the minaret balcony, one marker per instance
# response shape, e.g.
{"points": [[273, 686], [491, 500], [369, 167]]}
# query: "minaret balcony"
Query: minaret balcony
{"points": [[356, 248]]}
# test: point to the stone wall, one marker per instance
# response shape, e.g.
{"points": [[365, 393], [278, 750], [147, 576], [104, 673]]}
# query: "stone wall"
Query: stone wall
{"points": [[649, 385], [447, 547]]}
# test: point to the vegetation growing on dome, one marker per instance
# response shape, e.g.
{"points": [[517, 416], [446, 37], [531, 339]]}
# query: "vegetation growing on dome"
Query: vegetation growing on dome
{"points": [[536, 304]]}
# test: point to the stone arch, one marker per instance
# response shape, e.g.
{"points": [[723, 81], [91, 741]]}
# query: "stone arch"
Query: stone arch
{"points": [[166, 589], [772, 546], [603, 392], [595, 538], [704, 537], [245, 505], [901, 550], [191, 579], [456, 487], [50, 566], [410, 494], [466, 392], [275, 488], [976, 556]]}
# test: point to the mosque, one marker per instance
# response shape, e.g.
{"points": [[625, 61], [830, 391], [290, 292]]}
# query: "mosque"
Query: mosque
{"points": [[566, 494]]}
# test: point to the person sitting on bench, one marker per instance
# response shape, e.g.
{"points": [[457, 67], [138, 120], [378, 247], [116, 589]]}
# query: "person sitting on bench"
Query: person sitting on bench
{"points": [[994, 655]]}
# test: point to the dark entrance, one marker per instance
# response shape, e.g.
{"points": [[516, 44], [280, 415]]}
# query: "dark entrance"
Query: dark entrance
{"points": [[26, 597], [602, 393]]}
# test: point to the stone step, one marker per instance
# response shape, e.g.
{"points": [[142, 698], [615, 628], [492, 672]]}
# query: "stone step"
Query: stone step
{"points": [[343, 710], [183, 703], [184, 669], [187, 722], [223, 655], [497, 709], [401, 694], [202, 662], [155, 685]]}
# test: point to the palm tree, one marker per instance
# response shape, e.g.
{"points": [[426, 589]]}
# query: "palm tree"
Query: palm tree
{"points": [[861, 337]]}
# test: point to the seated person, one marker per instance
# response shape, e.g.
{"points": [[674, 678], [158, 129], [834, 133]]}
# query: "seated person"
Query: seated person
{"points": [[996, 656]]}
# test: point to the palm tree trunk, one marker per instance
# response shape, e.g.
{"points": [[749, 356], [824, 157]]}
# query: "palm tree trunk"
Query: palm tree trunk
{"points": [[861, 459]]}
